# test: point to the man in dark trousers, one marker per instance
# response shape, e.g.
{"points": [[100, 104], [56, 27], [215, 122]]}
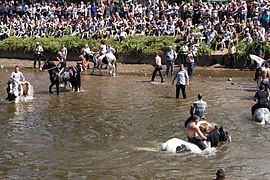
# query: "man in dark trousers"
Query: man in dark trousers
{"points": [[158, 68]]}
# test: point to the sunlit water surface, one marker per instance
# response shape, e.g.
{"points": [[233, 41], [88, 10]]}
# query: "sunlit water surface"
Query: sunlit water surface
{"points": [[114, 127]]}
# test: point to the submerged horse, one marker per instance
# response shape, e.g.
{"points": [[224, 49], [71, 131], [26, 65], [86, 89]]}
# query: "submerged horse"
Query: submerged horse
{"points": [[262, 116], [214, 138], [71, 74], [106, 59], [19, 89]]}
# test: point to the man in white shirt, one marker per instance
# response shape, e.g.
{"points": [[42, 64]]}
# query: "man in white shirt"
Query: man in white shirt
{"points": [[38, 54], [15, 83]]}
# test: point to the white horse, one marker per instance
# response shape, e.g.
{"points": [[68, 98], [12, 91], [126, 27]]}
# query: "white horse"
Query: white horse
{"points": [[108, 59], [216, 136], [259, 63], [261, 116], [256, 60]]}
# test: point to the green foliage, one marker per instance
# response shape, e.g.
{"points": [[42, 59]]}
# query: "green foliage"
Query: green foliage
{"points": [[138, 45], [203, 49], [240, 50], [243, 50]]}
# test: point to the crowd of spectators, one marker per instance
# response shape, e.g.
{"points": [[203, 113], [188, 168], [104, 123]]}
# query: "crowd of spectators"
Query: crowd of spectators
{"points": [[194, 22]]}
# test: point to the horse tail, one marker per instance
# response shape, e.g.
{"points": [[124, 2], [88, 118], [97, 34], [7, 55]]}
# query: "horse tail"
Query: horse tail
{"points": [[25, 87]]}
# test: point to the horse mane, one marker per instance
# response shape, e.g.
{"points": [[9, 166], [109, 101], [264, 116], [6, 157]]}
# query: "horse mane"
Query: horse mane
{"points": [[214, 137], [49, 63], [205, 126], [218, 135]]}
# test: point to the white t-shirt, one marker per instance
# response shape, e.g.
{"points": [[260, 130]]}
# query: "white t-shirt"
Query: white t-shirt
{"points": [[16, 76]]}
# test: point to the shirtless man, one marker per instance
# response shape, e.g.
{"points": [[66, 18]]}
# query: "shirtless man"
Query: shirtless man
{"points": [[192, 129], [265, 72]]}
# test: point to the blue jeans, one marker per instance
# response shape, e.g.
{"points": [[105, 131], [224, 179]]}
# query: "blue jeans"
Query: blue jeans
{"points": [[169, 64], [191, 69]]}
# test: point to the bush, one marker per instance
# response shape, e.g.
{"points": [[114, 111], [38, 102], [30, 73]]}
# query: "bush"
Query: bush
{"points": [[244, 50], [139, 45]]}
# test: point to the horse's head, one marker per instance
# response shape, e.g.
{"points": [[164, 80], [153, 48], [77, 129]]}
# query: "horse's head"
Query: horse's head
{"points": [[47, 65], [224, 135], [79, 66], [218, 135], [10, 91]]}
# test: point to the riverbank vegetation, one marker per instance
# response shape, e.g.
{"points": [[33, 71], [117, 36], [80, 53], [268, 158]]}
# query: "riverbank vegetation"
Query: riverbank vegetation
{"points": [[139, 45]]}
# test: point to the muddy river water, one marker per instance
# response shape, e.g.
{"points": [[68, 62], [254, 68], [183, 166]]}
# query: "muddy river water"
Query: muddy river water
{"points": [[114, 127]]}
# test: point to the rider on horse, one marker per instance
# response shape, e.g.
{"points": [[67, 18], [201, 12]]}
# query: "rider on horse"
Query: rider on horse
{"points": [[63, 62], [193, 130], [261, 97], [15, 82], [102, 50], [86, 52], [110, 49]]}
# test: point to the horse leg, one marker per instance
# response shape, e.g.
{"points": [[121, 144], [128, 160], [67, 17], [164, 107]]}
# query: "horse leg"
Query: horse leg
{"points": [[57, 88], [100, 71], [78, 82], [50, 88], [93, 70], [113, 69], [110, 68], [113, 72]]}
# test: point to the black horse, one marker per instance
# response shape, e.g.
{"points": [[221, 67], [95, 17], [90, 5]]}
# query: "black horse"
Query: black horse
{"points": [[71, 74]]}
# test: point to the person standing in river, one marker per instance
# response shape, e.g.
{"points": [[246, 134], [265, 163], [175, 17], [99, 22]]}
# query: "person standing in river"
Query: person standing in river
{"points": [[182, 81], [158, 68], [171, 56], [198, 107], [38, 54]]}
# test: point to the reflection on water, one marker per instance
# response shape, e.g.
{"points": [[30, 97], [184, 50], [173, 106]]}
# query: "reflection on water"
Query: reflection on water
{"points": [[113, 129]]}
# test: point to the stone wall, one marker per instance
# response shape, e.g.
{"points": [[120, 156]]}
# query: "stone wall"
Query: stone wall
{"points": [[216, 58]]}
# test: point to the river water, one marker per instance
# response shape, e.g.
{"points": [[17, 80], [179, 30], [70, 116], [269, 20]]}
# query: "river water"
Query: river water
{"points": [[114, 127]]}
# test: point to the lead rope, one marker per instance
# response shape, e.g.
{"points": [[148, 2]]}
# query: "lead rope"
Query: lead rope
{"points": [[50, 68]]}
